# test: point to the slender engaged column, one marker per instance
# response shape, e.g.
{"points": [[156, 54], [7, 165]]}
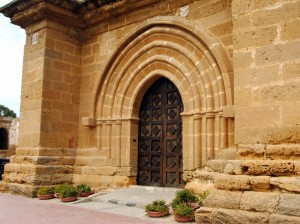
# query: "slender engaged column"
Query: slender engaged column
{"points": [[118, 143], [217, 136], [210, 135], [204, 141], [197, 141], [99, 131], [108, 137]]}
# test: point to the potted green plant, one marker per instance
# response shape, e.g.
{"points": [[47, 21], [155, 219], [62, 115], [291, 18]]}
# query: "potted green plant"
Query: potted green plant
{"points": [[157, 209], [45, 193], [68, 193], [187, 197], [59, 188], [84, 190], [184, 213]]}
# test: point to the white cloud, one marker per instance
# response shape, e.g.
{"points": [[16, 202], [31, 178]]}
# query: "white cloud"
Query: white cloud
{"points": [[12, 40]]}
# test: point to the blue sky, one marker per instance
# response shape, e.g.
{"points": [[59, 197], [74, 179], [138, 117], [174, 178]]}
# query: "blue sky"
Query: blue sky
{"points": [[12, 40]]}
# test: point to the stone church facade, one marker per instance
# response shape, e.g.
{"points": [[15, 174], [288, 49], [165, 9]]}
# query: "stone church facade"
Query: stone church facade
{"points": [[196, 93]]}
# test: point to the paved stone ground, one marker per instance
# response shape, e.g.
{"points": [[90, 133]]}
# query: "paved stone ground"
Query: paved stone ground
{"points": [[130, 201], [113, 207]]}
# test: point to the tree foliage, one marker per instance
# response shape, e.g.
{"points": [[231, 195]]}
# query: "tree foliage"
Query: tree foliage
{"points": [[6, 112]]}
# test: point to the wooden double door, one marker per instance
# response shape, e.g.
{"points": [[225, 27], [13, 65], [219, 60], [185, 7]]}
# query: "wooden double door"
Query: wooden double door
{"points": [[160, 136]]}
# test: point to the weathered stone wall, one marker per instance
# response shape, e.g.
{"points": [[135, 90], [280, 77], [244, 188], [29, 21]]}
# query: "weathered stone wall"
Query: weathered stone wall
{"points": [[263, 186], [266, 64]]}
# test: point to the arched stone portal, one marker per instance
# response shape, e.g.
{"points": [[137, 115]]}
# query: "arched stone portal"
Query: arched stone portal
{"points": [[198, 66]]}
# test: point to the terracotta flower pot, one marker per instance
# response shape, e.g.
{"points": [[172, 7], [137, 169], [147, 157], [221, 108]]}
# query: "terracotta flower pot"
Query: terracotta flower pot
{"points": [[179, 218], [157, 214], [85, 194], [46, 197], [69, 199]]}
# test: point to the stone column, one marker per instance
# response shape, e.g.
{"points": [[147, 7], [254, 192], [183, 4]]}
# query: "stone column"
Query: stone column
{"points": [[108, 138], [49, 103]]}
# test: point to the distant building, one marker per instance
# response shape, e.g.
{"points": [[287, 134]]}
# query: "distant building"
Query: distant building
{"points": [[9, 132]]}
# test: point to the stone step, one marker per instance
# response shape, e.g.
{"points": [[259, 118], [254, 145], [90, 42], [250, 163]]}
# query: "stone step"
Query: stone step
{"points": [[249, 207], [255, 167]]}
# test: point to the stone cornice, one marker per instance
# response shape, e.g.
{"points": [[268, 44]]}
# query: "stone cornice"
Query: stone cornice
{"points": [[100, 14], [18, 6], [76, 13], [26, 12]]}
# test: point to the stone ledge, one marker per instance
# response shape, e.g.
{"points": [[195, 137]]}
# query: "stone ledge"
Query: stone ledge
{"points": [[289, 204], [268, 167], [44, 160], [38, 179], [286, 183], [223, 199], [242, 182], [216, 165], [203, 215], [228, 111], [22, 189], [200, 175], [257, 207], [257, 151], [283, 219], [297, 167], [198, 187], [233, 167], [33, 169], [238, 216], [284, 151], [38, 151], [88, 121], [259, 201]]}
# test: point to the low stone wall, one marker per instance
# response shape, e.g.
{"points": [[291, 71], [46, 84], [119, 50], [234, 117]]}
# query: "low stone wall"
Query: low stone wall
{"points": [[252, 191]]}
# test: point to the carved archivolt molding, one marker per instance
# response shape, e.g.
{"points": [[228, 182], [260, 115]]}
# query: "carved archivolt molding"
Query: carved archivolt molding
{"points": [[194, 61], [165, 46]]}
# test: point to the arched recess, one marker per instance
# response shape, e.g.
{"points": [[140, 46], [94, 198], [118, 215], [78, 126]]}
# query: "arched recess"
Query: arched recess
{"points": [[194, 61]]}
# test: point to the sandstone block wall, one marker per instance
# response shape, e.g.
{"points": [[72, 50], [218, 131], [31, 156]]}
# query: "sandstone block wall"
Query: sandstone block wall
{"points": [[266, 63], [263, 186], [49, 109]]}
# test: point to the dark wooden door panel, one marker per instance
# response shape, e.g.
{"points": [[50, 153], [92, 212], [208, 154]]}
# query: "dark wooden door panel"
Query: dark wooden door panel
{"points": [[160, 136]]}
